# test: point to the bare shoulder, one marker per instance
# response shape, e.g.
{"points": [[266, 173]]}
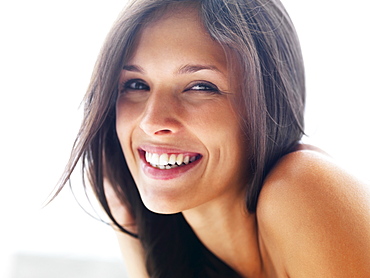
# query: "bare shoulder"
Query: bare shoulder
{"points": [[314, 218]]}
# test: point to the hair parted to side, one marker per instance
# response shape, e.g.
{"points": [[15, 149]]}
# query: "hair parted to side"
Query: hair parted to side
{"points": [[264, 54]]}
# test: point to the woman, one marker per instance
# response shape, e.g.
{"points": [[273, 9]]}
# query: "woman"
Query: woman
{"points": [[190, 141]]}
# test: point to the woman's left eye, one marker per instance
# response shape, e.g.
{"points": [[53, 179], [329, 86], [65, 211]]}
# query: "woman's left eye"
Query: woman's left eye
{"points": [[203, 87]]}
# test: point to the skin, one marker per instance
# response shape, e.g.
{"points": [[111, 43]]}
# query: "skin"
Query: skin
{"points": [[168, 104], [312, 218]]}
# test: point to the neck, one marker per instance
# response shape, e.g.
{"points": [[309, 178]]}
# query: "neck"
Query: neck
{"points": [[230, 232]]}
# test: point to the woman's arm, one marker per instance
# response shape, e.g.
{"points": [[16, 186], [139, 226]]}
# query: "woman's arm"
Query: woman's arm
{"points": [[316, 218], [131, 248], [133, 255]]}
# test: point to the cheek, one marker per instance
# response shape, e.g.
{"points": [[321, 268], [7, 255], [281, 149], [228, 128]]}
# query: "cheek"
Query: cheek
{"points": [[125, 113], [126, 117], [125, 122], [218, 124], [223, 137]]}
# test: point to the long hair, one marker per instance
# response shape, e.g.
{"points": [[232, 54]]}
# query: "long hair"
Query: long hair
{"points": [[264, 54]]}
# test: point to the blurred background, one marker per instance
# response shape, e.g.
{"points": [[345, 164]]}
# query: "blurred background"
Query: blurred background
{"points": [[47, 52]]}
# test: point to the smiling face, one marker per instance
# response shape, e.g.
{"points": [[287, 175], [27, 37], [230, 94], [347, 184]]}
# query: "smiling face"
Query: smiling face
{"points": [[176, 122]]}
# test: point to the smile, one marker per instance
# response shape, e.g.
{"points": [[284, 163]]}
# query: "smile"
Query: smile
{"points": [[166, 161]]}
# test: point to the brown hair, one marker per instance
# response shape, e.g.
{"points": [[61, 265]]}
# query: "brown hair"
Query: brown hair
{"points": [[264, 53]]}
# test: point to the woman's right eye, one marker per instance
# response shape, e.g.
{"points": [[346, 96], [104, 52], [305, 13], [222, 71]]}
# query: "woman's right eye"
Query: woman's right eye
{"points": [[134, 85]]}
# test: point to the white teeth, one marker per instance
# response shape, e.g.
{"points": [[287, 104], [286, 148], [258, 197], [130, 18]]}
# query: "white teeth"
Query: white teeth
{"points": [[154, 159], [166, 161], [172, 159], [163, 159], [179, 159], [148, 157]]}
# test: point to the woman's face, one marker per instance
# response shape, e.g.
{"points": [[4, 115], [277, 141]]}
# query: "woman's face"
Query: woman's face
{"points": [[176, 121]]}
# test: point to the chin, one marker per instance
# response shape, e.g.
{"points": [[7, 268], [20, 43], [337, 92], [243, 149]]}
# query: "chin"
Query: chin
{"points": [[160, 206]]}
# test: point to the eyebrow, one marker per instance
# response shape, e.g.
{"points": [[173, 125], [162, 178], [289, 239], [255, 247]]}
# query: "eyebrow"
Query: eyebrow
{"points": [[186, 69], [194, 68], [133, 68]]}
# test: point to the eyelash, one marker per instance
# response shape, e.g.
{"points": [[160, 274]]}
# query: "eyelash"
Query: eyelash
{"points": [[206, 86], [127, 85]]}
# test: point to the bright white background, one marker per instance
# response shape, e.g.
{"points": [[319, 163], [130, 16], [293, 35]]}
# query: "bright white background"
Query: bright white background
{"points": [[47, 52]]}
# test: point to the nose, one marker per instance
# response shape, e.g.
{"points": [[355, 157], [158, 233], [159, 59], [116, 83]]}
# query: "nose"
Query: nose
{"points": [[161, 115]]}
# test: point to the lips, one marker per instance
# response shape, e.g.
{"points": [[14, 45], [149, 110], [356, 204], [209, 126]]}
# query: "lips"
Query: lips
{"points": [[167, 164]]}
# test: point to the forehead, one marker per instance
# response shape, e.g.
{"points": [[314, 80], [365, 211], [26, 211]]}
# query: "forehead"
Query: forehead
{"points": [[177, 33]]}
